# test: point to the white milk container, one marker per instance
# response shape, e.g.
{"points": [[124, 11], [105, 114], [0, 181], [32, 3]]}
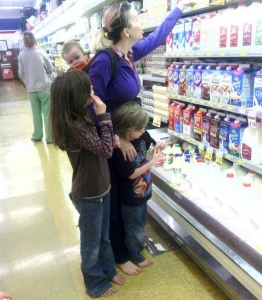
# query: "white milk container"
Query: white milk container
{"points": [[236, 27], [249, 25], [177, 166], [168, 158], [251, 146], [224, 40]]}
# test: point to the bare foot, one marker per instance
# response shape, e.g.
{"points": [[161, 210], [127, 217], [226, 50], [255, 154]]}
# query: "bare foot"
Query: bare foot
{"points": [[129, 268], [145, 263], [118, 279], [109, 292]]}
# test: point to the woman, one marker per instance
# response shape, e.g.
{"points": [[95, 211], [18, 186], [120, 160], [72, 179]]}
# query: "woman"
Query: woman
{"points": [[34, 67], [123, 33]]}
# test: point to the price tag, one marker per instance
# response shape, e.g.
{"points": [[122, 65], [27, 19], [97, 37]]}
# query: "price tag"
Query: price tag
{"points": [[188, 139], [200, 54], [220, 105], [211, 104], [230, 107], [193, 100], [228, 156], [222, 53], [188, 99], [243, 53], [240, 162], [252, 120], [181, 136], [157, 121], [201, 148], [191, 54], [202, 101], [219, 158], [209, 53], [209, 154], [179, 97]]}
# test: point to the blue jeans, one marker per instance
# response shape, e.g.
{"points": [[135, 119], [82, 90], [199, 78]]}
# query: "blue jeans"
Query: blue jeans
{"points": [[98, 264], [134, 218]]}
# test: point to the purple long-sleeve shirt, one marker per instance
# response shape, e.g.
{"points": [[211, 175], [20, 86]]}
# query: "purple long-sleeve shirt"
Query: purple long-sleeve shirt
{"points": [[126, 85]]}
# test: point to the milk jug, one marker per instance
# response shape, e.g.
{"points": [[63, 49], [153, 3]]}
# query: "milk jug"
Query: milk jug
{"points": [[251, 146], [168, 158], [224, 41]]}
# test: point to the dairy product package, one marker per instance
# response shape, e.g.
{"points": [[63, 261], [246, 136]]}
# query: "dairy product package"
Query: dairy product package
{"points": [[178, 117], [188, 35], [188, 120], [214, 130], [182, 80], [206, 126], [242, 87], [198, 121], [224, 133], [198, 82], [236, 130], [190, 81]]}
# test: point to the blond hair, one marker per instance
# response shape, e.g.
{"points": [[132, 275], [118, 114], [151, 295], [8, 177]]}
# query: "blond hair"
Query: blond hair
{"points": [[129, 117], [117, 17], [68, 46], [29, 39]]}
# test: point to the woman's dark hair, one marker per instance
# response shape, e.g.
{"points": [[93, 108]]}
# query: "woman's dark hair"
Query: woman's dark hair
{"points": [[117, 17], [68, 97]]}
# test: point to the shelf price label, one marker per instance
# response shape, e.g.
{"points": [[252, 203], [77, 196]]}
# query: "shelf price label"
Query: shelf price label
{"points": [[252, 119], [157, 121], [202, 102], [230, 107], [201, 148], [222, 53], [193, 100], [209, 154], [219, 158]]}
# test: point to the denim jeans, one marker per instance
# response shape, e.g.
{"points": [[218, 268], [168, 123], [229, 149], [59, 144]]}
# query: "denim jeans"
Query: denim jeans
{"points": [[40, 104], [134, 218], [98, 264]]}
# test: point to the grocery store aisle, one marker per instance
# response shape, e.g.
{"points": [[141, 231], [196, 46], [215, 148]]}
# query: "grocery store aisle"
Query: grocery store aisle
{"points": [[39, 238]]}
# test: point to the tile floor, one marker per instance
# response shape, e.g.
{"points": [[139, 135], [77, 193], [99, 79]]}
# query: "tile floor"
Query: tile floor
{"points": [[39, 240]]}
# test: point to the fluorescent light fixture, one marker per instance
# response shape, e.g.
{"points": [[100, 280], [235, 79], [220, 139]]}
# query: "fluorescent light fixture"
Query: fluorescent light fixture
{"points": [[11, 7]]}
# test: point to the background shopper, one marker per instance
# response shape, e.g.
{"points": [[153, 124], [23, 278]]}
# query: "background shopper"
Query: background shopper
{"points": [[123, 33], [34, 67]]}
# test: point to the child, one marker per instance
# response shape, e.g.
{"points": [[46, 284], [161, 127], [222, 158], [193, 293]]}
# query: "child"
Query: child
{"points": [[129, 122], [74, 55], [74, 131]]}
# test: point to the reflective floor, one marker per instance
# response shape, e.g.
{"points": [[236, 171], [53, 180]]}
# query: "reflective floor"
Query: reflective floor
{"points": [[39, 238]]}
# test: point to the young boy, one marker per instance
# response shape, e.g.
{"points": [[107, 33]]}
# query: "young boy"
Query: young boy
{"points": [[129, 122], [74, 55]]}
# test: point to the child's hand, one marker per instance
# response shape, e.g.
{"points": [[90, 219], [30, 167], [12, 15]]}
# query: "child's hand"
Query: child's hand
{"points": [[99, 106], [161, 145], [156, 154], [116, 141]]}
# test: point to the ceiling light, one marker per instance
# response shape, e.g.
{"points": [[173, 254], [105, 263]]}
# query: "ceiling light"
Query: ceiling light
{"points": [[11, 7]]}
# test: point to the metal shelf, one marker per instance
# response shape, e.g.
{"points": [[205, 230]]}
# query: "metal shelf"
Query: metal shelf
{"points": [[234, 159], [222, 106], [153, 78], [220, 53]]}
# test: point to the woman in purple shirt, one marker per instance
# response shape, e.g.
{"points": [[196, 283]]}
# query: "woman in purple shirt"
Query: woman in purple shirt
{"points": [[124, 35]]}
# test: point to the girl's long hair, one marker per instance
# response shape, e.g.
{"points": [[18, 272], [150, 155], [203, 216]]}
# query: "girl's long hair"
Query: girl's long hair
{"points": [[68, 97]]}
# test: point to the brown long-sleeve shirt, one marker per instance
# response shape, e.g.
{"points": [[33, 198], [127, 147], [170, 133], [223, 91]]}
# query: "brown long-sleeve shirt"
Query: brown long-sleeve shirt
{"points": [[88, 154]]}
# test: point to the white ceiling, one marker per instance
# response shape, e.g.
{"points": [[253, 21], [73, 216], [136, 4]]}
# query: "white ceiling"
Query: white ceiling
{"points": [[18, 3], [15, 13]]}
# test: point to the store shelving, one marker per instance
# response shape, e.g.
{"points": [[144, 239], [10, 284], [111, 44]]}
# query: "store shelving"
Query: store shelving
{"points": [[218, 53], [221, 106], [232, 158]]}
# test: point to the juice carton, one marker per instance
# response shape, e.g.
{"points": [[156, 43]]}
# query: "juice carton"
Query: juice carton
{"points": [[175, 31], [181, 35], [196, 34], [236, 130], [188, 35], [178, 117], [171, 115], [206, 82], [258, 90], [198, 121], [176, 79], [205, 31], [206, 126], [215, 85], [170, 83], [188, 120], [214, 130], [198, 82], [169, 43], [226, 84], [182, 80], [190, 81], [224, 132], [242, 87]]}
